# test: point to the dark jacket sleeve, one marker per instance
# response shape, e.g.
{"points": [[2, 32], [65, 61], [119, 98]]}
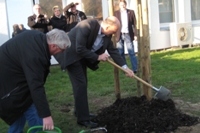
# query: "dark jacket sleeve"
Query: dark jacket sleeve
{"points": [[118, 33], [82, 36], [134, 23], [31, 21], [82, 15], [36, 68], [35, 71]]}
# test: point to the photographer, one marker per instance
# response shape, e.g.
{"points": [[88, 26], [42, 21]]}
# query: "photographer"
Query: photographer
{"points": [[38, 21]]}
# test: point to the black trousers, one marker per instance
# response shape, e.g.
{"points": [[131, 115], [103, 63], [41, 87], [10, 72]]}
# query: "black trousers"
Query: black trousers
{"points": [[78, 76]]}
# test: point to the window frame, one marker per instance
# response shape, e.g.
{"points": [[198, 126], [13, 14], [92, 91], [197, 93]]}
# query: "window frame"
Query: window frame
{"points": [[166, 26]]}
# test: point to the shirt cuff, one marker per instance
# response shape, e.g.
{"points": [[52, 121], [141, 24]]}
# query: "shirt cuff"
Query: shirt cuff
{"points": [[125, 66]]}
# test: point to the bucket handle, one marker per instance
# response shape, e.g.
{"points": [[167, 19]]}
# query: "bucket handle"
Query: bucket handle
{"points": [[36, 127]]}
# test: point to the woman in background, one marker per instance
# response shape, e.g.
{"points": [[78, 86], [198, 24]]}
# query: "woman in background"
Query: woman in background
{"points": [[58, 20]]}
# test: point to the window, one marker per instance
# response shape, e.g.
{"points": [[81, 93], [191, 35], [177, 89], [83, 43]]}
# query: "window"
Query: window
{"points": [[195, 9], [166, 11], [47, 6], [92, 8]]}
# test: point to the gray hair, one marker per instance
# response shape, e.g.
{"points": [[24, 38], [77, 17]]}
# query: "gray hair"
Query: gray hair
{"points": [[59, 38]]}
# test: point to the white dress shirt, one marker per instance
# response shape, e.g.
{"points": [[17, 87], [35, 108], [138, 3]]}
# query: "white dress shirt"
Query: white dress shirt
{"points": [[124, 20], [98, 42]]}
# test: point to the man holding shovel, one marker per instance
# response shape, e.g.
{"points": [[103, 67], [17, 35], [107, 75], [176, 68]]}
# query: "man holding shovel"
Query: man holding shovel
{"points": [[89, 41]]}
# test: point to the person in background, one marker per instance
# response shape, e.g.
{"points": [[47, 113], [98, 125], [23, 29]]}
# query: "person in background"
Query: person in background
{"points": [[16, 30], [58, 20], [21, 27], [38, 21], [90, 39], [74, 16], [127, 20], [25, 62]]}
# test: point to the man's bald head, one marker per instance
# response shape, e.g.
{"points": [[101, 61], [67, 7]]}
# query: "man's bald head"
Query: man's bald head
{"points": [[112, 21], [111, 25]]}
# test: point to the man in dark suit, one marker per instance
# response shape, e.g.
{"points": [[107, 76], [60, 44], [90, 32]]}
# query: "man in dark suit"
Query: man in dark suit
{"points": [[128, 32], [89, 41]]}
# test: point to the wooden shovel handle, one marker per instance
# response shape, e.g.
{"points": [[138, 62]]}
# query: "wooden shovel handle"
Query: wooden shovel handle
{"points": [[139, 79]]}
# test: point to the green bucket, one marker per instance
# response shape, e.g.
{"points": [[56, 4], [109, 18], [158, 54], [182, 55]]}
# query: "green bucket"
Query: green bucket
{"points": [[56, 130]]}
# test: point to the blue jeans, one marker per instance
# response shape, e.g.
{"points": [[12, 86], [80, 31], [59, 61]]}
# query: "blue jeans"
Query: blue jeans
{"points": [[31, 116], [125, 38]]}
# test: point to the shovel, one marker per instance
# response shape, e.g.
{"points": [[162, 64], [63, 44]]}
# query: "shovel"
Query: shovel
{"points": [[94, 130], [162, 92]]}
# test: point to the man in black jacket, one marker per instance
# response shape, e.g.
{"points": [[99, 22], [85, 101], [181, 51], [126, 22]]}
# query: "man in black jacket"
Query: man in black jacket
{"points": [[90, 39], [25, 62]]}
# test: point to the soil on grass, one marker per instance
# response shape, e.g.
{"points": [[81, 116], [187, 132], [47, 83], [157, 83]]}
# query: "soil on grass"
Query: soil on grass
{"points": [[138, 115]]}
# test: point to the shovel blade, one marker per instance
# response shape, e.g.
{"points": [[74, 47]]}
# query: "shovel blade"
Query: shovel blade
{"points": [[163, 93]]}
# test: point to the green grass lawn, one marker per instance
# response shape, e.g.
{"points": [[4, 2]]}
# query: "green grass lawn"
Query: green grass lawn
{"points": [[176, 70]]}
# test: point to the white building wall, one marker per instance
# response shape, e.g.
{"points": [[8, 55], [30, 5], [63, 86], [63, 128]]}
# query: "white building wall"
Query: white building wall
{"points": [[159, 39], [160, 33], [4, 33], [18, 12], [184, 10], [196, 34], [13, 12]]}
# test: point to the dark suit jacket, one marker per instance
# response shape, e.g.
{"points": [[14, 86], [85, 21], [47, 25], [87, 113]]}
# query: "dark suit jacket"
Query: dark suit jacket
{"points": [[131, 22], [82, 38], [25, 61]]}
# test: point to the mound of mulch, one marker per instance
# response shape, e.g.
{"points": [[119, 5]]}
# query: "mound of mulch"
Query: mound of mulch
{"points": [[138, 115]]}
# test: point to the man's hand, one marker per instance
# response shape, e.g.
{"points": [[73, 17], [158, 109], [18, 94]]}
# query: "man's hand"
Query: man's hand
{"points": [[129, 73], [103, 57], [48, 123], [135, 38], [45, 16]]}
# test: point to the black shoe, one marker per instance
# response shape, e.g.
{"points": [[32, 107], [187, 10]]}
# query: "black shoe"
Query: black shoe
{"points": [[135, 72], [89, 124], [90, 115]]}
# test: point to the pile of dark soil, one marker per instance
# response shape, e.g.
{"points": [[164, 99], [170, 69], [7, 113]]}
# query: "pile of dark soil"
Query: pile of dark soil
{"points": [[138, 115]]}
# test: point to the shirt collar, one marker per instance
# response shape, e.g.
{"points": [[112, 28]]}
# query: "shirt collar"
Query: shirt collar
{"points": [[100, 33], [58, 16], [123, 11]]}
